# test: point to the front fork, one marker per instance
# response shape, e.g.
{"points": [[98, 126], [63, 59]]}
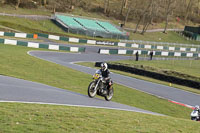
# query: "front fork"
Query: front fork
{"points": [[95, 88]]}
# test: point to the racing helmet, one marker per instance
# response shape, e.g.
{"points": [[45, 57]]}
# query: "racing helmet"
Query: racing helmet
{"points": [[104, 66], [196, 107]]}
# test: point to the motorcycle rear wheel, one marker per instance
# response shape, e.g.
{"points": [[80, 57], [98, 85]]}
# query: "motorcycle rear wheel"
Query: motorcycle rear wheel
{"points": [[194, 119], [91, 91], [110, 95]]}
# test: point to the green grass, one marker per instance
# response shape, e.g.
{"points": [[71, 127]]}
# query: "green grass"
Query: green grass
{"points": [[16, 63], [28, 25], [23, 118], [171, 37]]}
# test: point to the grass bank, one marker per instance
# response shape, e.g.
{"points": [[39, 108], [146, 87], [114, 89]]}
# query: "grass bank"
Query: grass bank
{"points": [[23, 118], [171, 37], [16, 62]]}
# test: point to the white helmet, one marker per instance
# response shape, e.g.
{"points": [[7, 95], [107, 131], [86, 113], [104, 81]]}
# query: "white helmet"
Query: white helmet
{"points": [[104, 66], [196, 107]]}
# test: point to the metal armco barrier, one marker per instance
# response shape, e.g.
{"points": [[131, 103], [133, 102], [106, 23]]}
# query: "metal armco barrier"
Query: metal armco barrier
{"points": [[146, 52], [192, 51], [41, 45]]}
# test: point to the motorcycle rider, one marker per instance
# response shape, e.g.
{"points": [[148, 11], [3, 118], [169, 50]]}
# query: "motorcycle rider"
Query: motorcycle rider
{"points": [[106, 75], [197, 108]]}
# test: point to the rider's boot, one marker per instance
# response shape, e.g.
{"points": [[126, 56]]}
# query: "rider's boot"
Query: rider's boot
{"points": [[109, 88]]}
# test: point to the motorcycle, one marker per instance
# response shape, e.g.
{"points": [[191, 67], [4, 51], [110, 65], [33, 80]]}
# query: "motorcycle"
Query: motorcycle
{"points": [[195, 115], [98, 86]]}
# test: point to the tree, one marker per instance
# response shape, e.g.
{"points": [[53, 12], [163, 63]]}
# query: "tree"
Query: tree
{"points": [[72, 4], [127, 14], [17, 4], [44, 2], [168, 9], [2, 1], [198, 8], [149, 16], [188, 9], [145, 16], [123, 5], [142, 15], [106, 5]]}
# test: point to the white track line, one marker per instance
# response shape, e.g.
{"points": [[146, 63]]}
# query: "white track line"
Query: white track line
{"points": [[84, 106]]}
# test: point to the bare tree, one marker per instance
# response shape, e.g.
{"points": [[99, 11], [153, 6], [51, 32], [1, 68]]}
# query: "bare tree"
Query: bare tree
{"points": [[106, 5], [188, 9], [2, 1], [129, 9], [149, 16], [72, 4], [44, 2], [168, 9], [17, 4], [123, 5], [142, 15], [198, 8]]}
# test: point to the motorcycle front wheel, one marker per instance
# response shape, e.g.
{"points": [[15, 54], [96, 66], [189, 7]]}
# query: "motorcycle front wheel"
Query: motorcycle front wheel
{"points": [[109, 96], [91, 91]]}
